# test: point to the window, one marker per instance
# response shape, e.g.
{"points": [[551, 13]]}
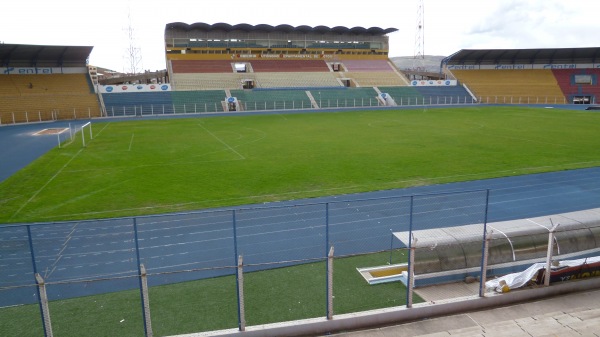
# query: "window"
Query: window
{"points": [[583, 79]]}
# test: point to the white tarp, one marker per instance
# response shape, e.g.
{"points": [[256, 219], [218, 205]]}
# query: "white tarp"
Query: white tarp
{"points": [[517, 280]]}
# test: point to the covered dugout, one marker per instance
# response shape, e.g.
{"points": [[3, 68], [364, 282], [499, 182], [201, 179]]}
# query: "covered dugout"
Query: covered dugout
{"points": [[450, 254]]}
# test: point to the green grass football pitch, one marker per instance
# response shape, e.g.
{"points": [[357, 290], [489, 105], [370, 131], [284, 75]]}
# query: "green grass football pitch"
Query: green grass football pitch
{"points": [[140, 167]]}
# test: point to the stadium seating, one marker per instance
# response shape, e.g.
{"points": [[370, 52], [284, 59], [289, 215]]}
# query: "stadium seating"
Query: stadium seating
{"points": [[565, 79], [298, 80], [368, 65], [47, 97], [369, 73], [445, 95], [272, 99], [512, 86], [163, 102], [345, 97], [289, 66], [209, 81], [371, 79], [201, 66], [198, 101], [404, 95], [137, 103], [8, 87]]}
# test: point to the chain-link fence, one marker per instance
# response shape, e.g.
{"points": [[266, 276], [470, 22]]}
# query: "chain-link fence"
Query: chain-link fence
{"points": [[224, 269]]}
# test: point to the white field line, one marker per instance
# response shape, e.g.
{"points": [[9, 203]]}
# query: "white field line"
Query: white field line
{"points": [[344, 189], [222, 142], [53, 177], [46, 184], [81, 197], [131, 142], [186, 160], [99, 132]]}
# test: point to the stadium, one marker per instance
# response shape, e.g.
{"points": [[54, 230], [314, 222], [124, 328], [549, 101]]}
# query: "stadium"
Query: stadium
{"points": [[281, 180]]}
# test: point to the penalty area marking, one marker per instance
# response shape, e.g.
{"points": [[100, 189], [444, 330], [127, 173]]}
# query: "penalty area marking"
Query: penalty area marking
{"points": [[51, 131], [222, 142]]}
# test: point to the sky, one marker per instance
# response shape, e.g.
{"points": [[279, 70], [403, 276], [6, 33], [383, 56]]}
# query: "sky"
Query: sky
{"points": [[448, 26]]}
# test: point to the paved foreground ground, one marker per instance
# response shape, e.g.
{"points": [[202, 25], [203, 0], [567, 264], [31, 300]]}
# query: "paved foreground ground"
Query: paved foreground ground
{"points": [[576, 314]]}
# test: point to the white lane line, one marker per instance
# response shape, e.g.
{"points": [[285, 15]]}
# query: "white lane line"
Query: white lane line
{"points": [[222, 142], [60, 253]]}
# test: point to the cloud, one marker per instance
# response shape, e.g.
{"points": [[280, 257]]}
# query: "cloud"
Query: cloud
{"points": [[533, 24], [448, 27]]}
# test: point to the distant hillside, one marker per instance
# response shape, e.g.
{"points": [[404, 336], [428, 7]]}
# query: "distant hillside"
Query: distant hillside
{"points": [[431, 62]]}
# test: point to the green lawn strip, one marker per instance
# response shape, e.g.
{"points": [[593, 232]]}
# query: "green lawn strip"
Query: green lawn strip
{"points": [[351, 291], [275, 295], [285, 294], [22, 321], [115, 314], [203, 305]]}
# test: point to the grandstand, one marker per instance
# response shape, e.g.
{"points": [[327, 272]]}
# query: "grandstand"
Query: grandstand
{"points": [[222, 67], [202, 56], [524, 76], [46, 83], [278, 67]]}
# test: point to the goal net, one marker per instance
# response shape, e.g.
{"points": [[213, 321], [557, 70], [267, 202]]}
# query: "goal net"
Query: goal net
{"points": [[70, 134]]}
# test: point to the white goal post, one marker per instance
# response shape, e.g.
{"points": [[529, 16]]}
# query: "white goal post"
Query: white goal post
{"points": [[89, 126], [66, 138]]}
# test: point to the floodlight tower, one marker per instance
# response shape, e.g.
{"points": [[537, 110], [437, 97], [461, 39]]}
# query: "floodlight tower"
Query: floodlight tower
{"points": [[419, 54]]}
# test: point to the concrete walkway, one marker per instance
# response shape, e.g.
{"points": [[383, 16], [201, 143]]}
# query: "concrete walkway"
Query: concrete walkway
{"points": [[576, 314]]}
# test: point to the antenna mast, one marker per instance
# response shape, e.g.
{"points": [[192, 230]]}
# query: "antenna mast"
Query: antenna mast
{"points": [[419, 54], [133, 52]]}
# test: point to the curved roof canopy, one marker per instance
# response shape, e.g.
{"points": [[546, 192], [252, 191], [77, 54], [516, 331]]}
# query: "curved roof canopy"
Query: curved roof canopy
{"points": [[507, 56], [279, 28], [32, 55]]}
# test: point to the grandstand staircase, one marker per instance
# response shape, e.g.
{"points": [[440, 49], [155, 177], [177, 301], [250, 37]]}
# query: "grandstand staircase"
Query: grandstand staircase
{"points": [[386, 100], [400, 74], [312, 100]]}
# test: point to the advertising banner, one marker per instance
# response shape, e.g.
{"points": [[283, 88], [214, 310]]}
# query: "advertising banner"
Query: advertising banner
{"points": [[124, 88], [42, 70], [433, 83]]}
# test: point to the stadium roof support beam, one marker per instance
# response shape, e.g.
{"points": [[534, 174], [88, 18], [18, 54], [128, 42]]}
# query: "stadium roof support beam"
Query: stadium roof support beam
{"points": [[537, 55], [33, 55]]}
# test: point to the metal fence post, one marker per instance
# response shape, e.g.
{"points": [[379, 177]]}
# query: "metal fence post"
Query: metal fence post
{"points": [[550, 253], [391, 245], [330, 284], [411, 257], [485, 247], [146, 301], [44, 305], [35, 273], [484, 261], [137, 256], [240, 290], [239, 277], [411, 271], [327, 289]]}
